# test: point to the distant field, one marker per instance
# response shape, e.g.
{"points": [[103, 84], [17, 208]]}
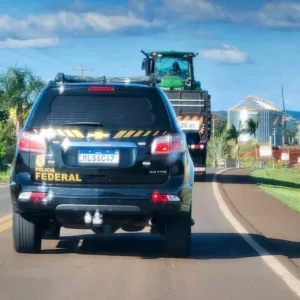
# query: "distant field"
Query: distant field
{"points": [[4, 176], [282, 185]]}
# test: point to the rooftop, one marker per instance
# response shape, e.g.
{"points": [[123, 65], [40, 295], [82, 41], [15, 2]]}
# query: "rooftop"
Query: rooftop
{"points": [[255, 103]]}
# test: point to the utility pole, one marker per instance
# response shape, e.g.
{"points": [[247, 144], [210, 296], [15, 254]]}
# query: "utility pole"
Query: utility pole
{"points": [[283, 116], [274, 135], [82, 70], [213, 127]]}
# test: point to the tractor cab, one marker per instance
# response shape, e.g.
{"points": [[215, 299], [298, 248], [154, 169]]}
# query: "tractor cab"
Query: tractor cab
{"points": [[173, 69]]}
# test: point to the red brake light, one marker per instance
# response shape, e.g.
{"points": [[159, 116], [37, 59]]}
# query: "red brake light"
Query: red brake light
{"points": [[159, 198], [167, 144], [101, 88], [30, 142], [37, 196], [197, 146]]}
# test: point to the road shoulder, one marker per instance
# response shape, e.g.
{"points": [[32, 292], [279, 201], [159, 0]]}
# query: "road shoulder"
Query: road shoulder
{"points": [[273, 225]]}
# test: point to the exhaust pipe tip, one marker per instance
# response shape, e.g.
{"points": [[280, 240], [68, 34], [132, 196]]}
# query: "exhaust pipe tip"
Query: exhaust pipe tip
{"points": [[87, 218], [153, 221]]}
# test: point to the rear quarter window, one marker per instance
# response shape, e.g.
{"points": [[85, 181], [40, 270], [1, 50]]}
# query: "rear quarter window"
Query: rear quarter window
{"points": [[123, 110]]}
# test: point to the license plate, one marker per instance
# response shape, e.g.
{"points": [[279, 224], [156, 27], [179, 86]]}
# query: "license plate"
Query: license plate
{"points": [[99, 157], [188, 125]]}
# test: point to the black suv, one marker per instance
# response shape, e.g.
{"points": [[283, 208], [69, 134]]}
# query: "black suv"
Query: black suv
{"points": [[102, 154]]}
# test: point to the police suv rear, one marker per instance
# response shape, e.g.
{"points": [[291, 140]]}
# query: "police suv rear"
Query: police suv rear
{"points": [[102, 154]]}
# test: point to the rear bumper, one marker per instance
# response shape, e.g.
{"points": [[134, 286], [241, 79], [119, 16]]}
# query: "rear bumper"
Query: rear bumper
{"points": [[69, 205]]}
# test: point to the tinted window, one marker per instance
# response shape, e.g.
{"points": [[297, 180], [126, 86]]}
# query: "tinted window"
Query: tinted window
{"points": [[113, 112]]}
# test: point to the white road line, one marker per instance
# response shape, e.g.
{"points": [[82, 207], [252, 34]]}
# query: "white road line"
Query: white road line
{"points": [[291, 281], [3, 186]]}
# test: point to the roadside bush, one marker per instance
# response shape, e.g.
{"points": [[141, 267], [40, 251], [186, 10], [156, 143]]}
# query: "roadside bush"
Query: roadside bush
{"points": [[7, 143]]}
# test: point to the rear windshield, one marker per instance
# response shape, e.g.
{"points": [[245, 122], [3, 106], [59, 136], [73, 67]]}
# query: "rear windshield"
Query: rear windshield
{"points": [[112, 112]]}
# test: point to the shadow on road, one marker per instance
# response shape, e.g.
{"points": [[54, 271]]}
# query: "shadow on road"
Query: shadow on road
{"points": [[204, 246], [246, 179]]}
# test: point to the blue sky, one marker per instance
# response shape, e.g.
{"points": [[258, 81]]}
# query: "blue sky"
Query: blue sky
{"points": [[245, 47]]}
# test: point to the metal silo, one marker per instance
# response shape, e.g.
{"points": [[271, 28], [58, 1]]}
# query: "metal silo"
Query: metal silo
{"points": [[270, 116]]}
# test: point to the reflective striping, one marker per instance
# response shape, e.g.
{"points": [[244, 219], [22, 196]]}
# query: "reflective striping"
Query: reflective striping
{"points": [[129, 133], [186, 118], [179, 117], [138, 133], [147, 133], [69, 133], [98, 135], [78, 134], [60, 132], [197, 169], [194, 118], [120, 134]]}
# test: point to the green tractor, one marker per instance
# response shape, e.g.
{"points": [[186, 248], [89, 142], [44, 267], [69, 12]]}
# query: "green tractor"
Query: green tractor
{"points": [[175, 73]]}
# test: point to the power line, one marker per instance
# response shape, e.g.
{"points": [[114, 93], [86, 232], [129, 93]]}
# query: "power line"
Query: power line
{"points": [[82, 70]]}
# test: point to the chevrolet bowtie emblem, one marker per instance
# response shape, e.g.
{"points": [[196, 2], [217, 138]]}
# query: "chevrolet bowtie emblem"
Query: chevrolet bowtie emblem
{"points": [[98, 135]]}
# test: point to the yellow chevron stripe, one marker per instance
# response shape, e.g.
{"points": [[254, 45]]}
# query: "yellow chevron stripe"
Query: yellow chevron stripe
{"points": [[156, 133], [147, 133], [165, 133], [77, 133], [35, 131], [138, 133], [120, 134], [60, 132], [69, 133], [129, 133]]}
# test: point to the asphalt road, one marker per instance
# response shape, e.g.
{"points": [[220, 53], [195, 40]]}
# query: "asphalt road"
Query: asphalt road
{"points": [[130, 266]]}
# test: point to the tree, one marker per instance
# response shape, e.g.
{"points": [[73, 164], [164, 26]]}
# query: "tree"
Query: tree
{"points": [[19, 88], [218, 148], [252, 126], [291, 132], [234, 134], [251, 129], [7, 142], [219, 124]]}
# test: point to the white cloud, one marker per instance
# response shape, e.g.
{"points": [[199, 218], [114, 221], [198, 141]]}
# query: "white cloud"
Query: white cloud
{"points": [[196, 10], [37, 43], [226, 54], [275, 14], [53, 24], [282, 14]]}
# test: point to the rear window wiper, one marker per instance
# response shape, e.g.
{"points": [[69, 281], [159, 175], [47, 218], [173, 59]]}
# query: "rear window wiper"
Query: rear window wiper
{"points": [[84, 123]]}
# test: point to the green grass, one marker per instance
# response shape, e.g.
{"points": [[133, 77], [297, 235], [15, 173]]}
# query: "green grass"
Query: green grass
{"points": [[4, 176], [283, 185]]}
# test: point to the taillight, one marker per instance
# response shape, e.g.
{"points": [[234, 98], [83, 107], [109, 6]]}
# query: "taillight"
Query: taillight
{"points": [[101, 88], [168, 144], [159, 198], [31, 142], [197, 146], [163, 198], [33, 196]]}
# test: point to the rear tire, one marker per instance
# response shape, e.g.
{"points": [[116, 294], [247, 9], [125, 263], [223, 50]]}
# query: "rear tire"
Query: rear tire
{"points": [[27, 235], [178, 236]]}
